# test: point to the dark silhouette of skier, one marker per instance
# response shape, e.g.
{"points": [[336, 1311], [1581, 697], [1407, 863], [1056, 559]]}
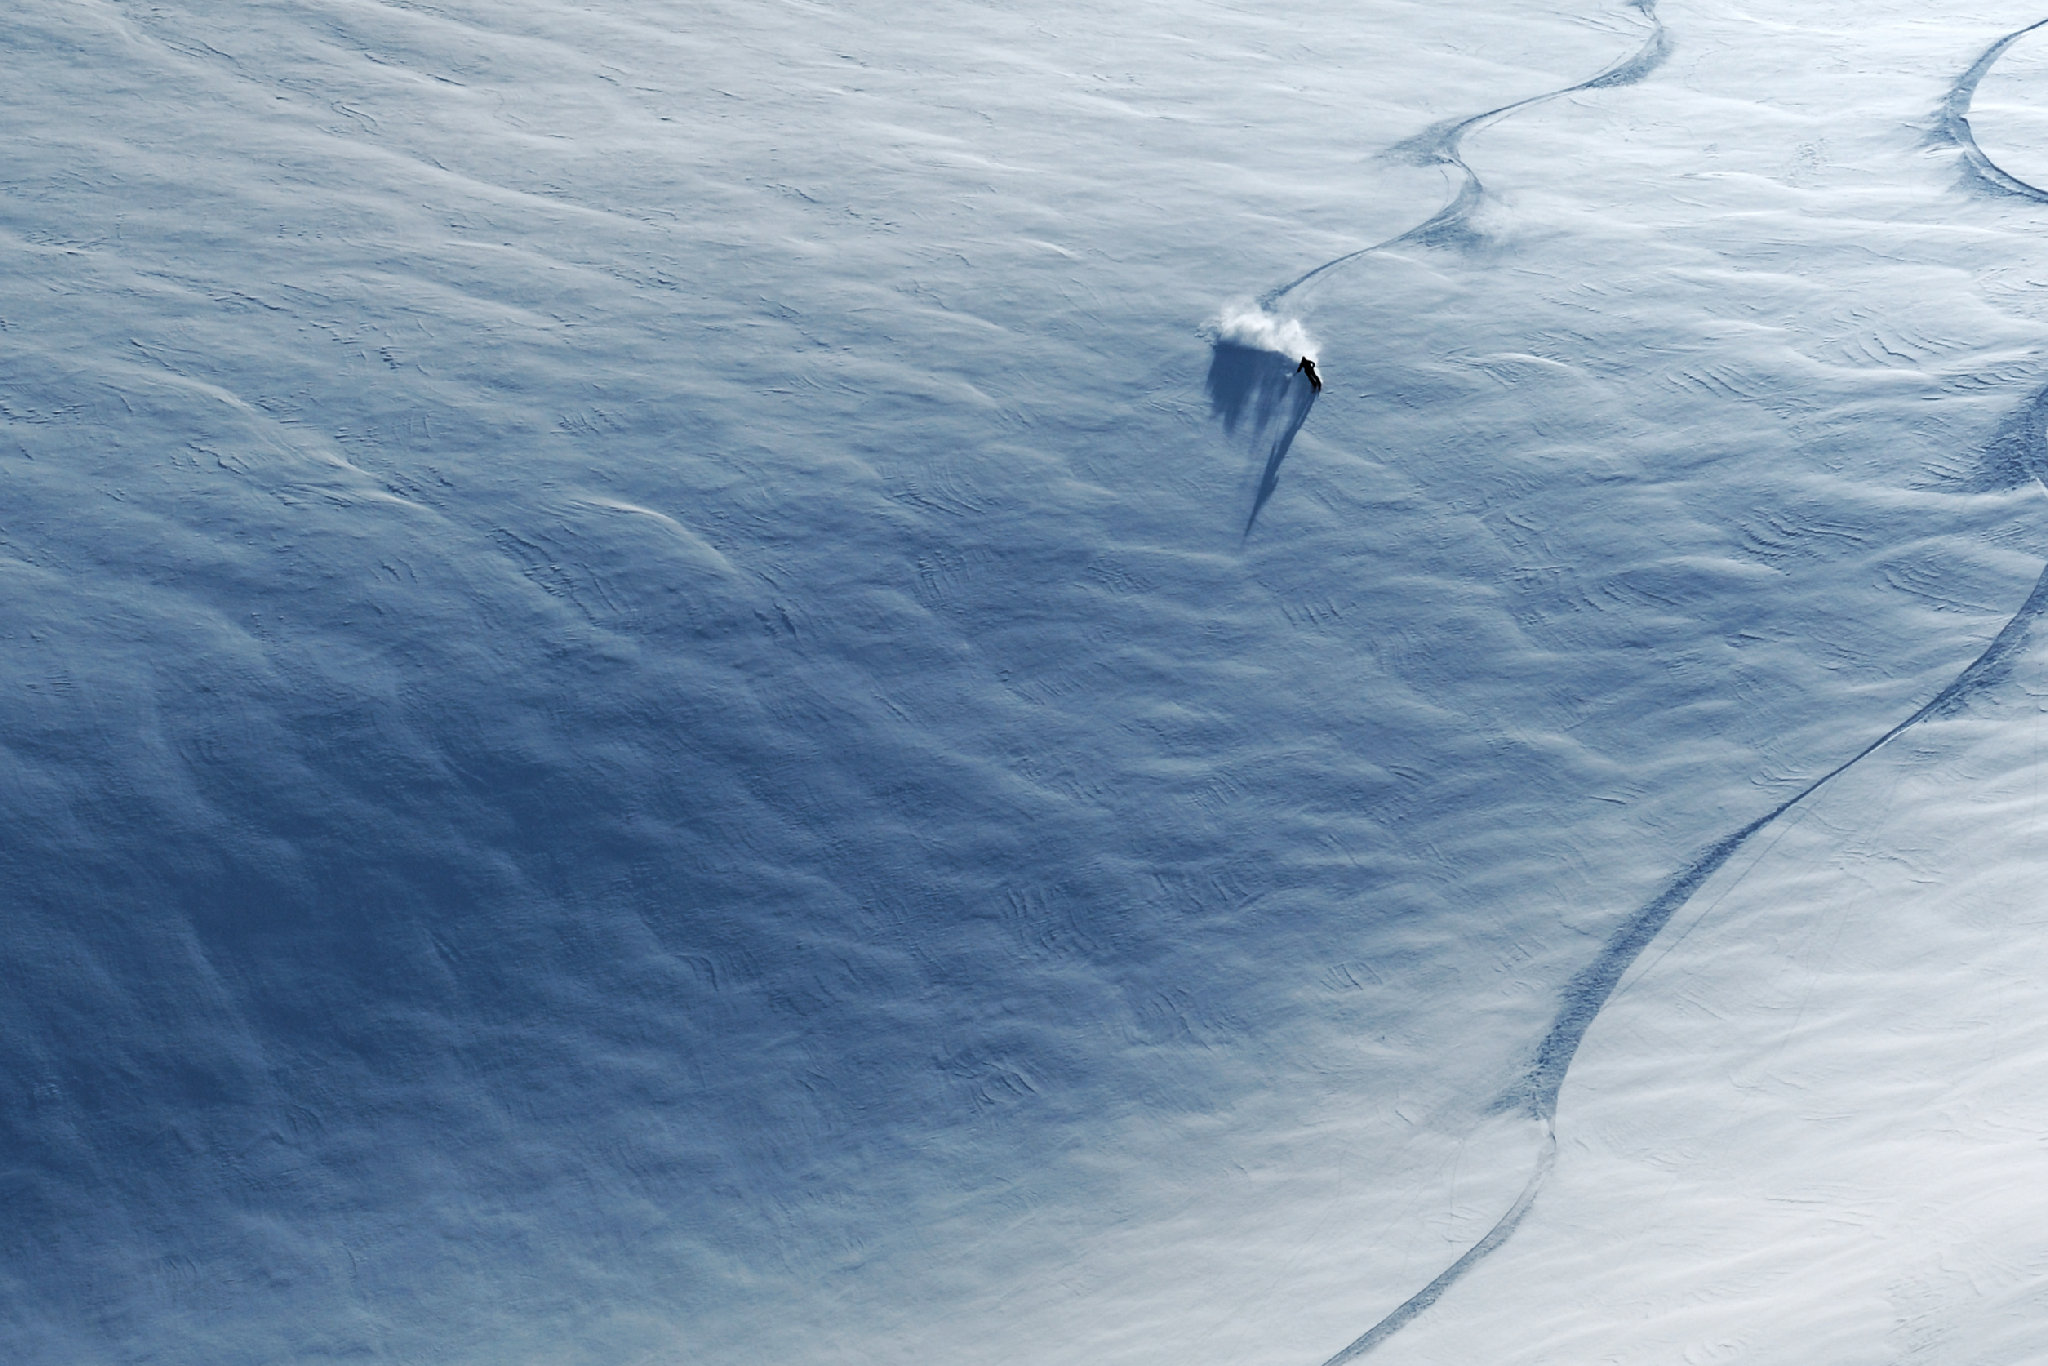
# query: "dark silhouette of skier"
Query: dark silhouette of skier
{"points": [[1270, 480]]}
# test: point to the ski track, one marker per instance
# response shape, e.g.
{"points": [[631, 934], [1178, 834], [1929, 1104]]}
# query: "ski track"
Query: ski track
{"points": [[1442, 145], [1955, 120], [2022, 442]]}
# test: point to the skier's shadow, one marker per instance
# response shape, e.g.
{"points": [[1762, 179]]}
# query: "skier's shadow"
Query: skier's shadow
{"points": [[1251, 386]]}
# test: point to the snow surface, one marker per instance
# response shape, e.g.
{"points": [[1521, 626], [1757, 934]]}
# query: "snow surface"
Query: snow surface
{"points": [[645, 721]]}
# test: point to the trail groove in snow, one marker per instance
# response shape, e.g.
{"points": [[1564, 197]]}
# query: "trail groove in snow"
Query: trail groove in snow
{"points": [[1955, 117], [1479, 1251], [1443, 145]]}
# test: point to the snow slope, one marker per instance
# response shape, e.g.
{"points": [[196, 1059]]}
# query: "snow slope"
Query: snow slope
{"points": [[644, 721]]}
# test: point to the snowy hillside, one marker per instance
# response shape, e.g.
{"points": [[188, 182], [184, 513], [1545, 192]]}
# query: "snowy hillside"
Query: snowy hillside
{"points": [[685, 682]]}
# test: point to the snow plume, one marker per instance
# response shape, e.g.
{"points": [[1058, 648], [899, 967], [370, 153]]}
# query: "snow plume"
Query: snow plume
{"points": [[1249, 325], [1252, 370]]}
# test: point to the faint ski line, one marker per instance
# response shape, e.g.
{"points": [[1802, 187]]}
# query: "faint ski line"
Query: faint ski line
{"points": [[1955, 115], [1713, 906], [1429, 1294]]}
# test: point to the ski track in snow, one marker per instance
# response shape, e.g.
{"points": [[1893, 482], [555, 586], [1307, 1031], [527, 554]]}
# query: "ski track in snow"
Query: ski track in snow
{"points": [[1450, 226], [1955, 118], [1443, 145], [1589, 991]]}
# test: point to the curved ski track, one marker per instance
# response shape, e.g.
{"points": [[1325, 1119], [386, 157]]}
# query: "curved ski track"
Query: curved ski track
{"points": [[1588, 992], [1955, 121], [1442, 145]]}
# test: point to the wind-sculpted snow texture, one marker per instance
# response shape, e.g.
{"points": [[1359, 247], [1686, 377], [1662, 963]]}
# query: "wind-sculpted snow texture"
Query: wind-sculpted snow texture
{"points": [[2021, 449], [637, 722], [2022, 446]]}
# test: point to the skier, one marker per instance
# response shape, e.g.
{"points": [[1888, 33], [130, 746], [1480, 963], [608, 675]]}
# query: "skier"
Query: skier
{"points": [[1308, 367]]}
